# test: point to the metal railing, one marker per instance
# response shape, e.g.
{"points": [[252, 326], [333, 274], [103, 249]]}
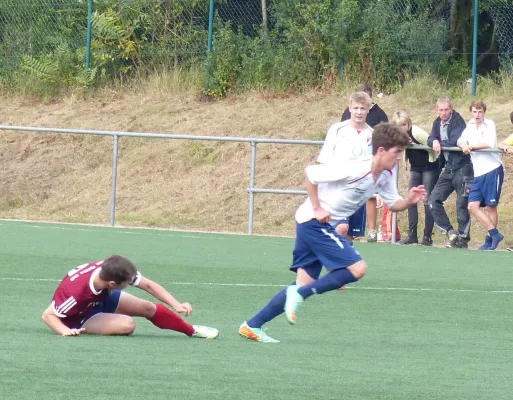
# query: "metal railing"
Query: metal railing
{"points": [[252, 190]]}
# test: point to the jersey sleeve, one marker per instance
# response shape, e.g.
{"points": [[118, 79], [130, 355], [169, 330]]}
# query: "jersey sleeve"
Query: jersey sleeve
{"points": [[490, 135], [324, 173], [464, 137], [137, 279], [388, 191], [326, 154], [63, 303], [509, 140]]}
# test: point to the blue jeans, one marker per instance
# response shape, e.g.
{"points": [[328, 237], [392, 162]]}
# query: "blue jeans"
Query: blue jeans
{"points": [[428, 179]]}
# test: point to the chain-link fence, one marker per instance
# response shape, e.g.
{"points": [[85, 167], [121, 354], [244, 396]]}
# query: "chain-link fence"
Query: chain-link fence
{"points": [[281, 42]]}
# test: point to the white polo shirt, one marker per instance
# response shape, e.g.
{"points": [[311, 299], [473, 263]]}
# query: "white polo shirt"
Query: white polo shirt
{"points": [[344, 186], [343, 142], [486, 133]]}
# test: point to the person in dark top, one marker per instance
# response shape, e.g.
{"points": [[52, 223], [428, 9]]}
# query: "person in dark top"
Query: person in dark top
{"points": [[457, 173], [424, 170]]}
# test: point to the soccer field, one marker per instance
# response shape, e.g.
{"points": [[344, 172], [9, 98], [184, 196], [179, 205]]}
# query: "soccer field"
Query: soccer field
{"points": [[425, 323]]}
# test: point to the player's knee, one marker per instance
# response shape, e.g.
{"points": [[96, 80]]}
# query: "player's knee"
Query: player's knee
{"points": [[473, 207], [342, 229], [359, 269], [127, 327]]}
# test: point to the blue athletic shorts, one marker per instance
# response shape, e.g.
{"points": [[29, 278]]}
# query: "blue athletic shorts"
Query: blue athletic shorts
{"points": [[487, 188], [356, 222], [319, 245], [108, 306]]}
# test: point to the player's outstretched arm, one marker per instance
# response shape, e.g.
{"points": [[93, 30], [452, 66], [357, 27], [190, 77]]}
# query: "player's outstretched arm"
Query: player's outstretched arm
{"points": [[415, 195], [164, 296], [55, 323]]}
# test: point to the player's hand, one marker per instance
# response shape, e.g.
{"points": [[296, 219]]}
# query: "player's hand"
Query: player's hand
{"points": [[436, 147], [466, 149], [322, 215], [73, 332], [508, 149], [185, 308], [416, 194]]}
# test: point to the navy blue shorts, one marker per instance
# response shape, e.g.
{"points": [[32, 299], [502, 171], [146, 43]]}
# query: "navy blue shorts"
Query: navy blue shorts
{"points": [[487, 188], [319, 245], [108, 306], [356, 222]]}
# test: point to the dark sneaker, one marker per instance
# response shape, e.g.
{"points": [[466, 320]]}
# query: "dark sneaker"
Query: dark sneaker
{"points": [[427, 241], [409, 240], [496, 239], [459, 243], [488, 242]]}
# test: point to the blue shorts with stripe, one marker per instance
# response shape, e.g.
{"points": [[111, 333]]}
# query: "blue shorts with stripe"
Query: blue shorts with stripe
{"points": [[319, 245], [108, 306], [356, 222], [487, 188]]}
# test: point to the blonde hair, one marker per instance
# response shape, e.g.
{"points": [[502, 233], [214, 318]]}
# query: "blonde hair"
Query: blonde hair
{"points": [[444, 100], [402, 118], [361, 98]]}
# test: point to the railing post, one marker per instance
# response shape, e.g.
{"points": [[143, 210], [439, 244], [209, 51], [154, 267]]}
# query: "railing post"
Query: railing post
{"points": [[251, 187], [114, 180], [394, 214]]}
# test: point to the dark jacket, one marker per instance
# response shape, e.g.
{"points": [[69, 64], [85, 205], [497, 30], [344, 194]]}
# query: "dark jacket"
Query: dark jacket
{"points": [[419, 159], [375, 116], [456, 127]]}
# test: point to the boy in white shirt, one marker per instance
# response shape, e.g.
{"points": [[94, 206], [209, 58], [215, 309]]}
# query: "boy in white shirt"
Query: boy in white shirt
{"points": [[335, 190], [350, 140], [486, 187]]}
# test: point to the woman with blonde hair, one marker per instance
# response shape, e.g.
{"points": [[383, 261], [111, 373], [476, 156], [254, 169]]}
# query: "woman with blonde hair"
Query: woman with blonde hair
{"points": [[424, 170]]}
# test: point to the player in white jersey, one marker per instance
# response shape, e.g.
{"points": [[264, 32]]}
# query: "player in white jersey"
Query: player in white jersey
{"points": [[334, 190], [350, 140], [486, 186], [90, 300]]}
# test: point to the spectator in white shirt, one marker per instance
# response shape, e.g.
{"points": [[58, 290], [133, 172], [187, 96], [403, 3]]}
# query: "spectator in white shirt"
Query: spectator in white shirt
{"points": [[486, 187]]}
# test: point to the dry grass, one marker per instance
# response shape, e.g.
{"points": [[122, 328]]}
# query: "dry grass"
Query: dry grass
{"points": [[183, 184]]}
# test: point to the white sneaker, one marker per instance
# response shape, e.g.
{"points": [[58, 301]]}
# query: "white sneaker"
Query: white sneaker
{"points": [[204, 332]]}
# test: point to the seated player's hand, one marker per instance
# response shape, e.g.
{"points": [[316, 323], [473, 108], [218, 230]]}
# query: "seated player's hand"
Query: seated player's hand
{"points": [[185, 308], [73, 332], [322, 215]]}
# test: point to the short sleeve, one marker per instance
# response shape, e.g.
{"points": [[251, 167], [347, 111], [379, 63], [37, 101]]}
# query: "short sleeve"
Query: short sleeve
{"points": [[509, 140], [327, 150], [63, 304], [388, 190], [324, 173]]}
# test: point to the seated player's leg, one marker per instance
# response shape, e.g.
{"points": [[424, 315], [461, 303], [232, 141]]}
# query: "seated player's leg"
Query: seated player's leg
{"points": [[105, 322], [109, 324], [161, 316], [336, 254]]}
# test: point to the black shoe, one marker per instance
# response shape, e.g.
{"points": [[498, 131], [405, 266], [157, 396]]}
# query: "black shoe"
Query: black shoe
{"points": [[427, 241], [409, 240], [459, 243]]}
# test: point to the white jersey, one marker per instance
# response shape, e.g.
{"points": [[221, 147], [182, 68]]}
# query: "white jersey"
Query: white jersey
{"points": [[343, 142], [344, 186], [483, 162]]}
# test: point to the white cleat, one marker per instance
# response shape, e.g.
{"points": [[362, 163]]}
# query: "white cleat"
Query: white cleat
{"points": [[204, 332]]}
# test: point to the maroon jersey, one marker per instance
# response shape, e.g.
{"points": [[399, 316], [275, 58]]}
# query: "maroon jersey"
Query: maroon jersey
{"points": [[75, 297]]}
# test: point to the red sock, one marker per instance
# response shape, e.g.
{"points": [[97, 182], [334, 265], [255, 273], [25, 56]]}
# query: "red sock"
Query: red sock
{"points": [[164, 318]]}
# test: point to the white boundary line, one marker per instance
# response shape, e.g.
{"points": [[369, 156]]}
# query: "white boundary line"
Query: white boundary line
{"points": [[263, 285]]}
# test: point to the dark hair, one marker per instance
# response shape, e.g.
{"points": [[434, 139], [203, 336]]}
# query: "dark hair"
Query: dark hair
{"points": [[388, 135], [118, 269], [511, 117], [478, 105], [364, 87]]}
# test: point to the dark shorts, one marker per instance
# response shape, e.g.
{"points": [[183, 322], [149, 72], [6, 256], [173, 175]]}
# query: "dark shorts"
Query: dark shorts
{"points": [[356, 222], [108, 306], [319, 245], [487, 188]]}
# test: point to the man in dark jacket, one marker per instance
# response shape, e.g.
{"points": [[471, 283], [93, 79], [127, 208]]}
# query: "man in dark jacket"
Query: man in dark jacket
{"points": [[375, 116], [456, 176]]}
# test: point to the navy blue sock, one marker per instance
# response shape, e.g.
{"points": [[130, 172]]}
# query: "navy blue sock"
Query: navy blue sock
{"points": [[331, 281], [274, 308], [493, 231]]}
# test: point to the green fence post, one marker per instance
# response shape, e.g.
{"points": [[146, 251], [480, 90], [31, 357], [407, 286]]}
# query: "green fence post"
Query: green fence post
{"points": [[474, 48], [209, 45], [89, 31]]}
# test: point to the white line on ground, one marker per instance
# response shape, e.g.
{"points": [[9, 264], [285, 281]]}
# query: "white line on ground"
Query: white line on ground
{"points": [[356, 287]]}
